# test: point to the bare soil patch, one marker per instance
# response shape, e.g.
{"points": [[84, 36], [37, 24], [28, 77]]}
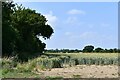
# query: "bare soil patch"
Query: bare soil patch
{"points": [[83, 71]]}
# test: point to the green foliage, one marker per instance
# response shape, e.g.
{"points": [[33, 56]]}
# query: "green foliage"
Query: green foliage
{"points": [[30, 24], [88, 48], [89, 59], [45, 62], [63, 51], [98, 50], [8, 32], [16, 74], [8, 63], [57, 63], [72, 62], [23, 68], [21, 29], [54, 78], [0, 73], [98, 61]]}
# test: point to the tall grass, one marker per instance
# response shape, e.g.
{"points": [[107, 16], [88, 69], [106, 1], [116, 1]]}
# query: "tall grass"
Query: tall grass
{"points": [[67, 61], [97, 61], [47, 62], [89, 58]]}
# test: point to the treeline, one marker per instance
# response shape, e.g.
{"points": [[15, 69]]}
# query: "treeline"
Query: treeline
{"points": [[63, 51], [87, 49], [21, 28]]}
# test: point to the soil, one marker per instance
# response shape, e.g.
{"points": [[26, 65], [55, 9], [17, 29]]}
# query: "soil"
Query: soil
{"points": [[83, 71]]}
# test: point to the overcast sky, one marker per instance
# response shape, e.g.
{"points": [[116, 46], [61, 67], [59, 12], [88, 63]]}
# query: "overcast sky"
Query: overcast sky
{"points": [[78, 24]]}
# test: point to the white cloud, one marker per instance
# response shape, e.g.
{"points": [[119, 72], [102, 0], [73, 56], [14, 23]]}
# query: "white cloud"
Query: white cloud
{"points": [[73, 21], [52, 19], [75, 11]]}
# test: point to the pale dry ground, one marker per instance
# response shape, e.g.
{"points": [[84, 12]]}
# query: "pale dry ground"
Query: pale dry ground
{"points": [[83, 71]]}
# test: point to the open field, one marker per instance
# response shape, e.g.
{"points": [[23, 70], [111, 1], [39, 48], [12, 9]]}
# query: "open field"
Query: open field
{"points": [[66, 65], [85, 71], [90, 58], [79, 55]]}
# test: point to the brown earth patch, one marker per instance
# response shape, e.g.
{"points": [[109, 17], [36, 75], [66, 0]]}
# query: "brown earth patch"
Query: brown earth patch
{"points": [[83, 71]]}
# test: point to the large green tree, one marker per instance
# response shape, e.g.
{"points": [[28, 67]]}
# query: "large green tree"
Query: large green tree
{"points": [[24, 26], [29, 25], [8, 32]]}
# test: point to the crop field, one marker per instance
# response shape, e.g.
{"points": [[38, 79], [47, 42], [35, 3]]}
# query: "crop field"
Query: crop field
{"points": [[66, 65], [91, 58], [96, 55], [86, 65]]}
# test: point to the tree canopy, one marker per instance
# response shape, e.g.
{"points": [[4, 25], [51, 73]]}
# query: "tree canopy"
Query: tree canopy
{"points": [[88, 48], [21, 27], [99, 49]]}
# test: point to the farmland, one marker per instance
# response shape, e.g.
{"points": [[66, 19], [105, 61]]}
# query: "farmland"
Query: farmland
{"points": [[81, 47], [96, 55], [66, 65], [91, 58]]}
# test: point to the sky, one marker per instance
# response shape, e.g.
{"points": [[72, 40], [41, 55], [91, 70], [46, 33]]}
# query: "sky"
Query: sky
{"points": [[78, 24]]}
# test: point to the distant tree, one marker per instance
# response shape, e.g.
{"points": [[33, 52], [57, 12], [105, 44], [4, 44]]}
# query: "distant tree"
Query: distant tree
{"points": [[106, 50], [56, 51], [88, 48], [115, 50], [98, 50], [118, 50], [111, 50]]}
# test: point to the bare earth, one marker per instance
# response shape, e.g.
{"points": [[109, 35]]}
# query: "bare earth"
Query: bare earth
{"points": [[83, 71]]}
